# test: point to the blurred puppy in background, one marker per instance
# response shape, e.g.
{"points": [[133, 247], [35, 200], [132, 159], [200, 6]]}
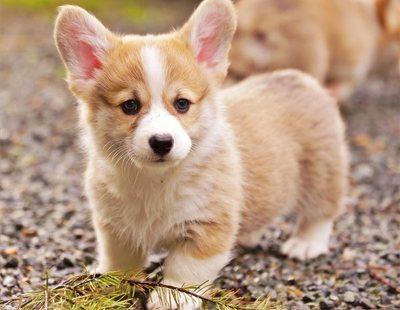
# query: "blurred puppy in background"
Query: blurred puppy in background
{"points": [[335, 41]]}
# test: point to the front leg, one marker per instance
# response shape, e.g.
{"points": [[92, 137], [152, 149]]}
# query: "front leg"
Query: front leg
{"points": [[114, 252], [194, 261]]}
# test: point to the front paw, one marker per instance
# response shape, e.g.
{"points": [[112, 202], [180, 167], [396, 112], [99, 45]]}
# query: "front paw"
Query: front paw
{"points": [[304, 249], [172, 300]]}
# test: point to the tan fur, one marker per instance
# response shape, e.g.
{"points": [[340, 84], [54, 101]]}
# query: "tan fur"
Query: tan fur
{"points": [[335, 40], [273, 144]]}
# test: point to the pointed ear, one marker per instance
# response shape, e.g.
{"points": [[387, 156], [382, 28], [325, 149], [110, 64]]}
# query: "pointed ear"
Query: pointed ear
{"points": [[393, 17], [209, 33], [82, 41], [388, 12]]}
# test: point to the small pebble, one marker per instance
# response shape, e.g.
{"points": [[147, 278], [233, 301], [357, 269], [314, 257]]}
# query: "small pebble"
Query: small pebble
{"points": [[366, 303], [364, 171], [307, 298], [9, 281], [333, 298], [12, 262], [326, 304], [11, 251], [297, 306], [349, 297], [385, 300], [65, 262]]}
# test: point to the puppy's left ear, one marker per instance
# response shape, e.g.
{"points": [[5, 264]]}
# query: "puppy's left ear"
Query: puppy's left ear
{"points": [[209, 33]]}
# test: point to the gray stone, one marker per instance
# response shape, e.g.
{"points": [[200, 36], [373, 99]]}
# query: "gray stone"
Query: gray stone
{"points": [[366, 303], [349, 297], [9, 281], [326, 304]]}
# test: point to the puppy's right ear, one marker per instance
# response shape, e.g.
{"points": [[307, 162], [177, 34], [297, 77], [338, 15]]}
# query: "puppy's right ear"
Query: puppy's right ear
{"points": [[83, 43]]}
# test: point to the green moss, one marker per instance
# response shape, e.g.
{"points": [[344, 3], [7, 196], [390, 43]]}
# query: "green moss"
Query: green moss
{"points": [[134, 10]]}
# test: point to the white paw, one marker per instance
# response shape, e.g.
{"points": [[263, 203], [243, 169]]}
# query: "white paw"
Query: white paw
{"points": [[181, 302], [304, 249]]}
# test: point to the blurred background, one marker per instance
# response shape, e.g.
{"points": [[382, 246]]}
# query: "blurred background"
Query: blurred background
{"points": [[44, 219], [135, 15]]}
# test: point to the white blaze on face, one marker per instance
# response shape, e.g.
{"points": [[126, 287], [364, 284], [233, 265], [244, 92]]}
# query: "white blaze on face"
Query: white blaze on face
{"points": [[158, 121], [154, 68]]}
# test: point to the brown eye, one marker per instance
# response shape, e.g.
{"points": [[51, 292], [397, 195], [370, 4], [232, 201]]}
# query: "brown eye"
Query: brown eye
{"points": [[131, 107], [182, 105]]}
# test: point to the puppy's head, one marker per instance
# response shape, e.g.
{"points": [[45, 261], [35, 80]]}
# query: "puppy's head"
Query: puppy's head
{"points": [[267, 32], [146, 99]]}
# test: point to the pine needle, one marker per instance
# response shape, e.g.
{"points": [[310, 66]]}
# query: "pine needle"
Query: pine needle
{"points": [[118, 290]]}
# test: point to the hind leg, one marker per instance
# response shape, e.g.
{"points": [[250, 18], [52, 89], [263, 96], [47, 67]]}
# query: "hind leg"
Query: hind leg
{"points": [[251, 239], [320, 202], [310, 238], [317, 210]]}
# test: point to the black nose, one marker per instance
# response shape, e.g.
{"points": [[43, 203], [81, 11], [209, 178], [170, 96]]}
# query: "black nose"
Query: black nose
{"points": [[161, 144]]}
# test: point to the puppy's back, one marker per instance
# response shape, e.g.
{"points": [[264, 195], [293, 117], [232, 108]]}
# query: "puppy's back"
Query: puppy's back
{"points": [[284, 99]]}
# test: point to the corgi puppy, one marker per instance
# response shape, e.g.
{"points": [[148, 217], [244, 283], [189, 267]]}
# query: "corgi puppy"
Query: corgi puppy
{"points": [[176, 163], [335, 41]]}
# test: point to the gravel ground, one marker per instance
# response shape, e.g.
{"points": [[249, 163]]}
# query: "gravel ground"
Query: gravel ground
{"points": [[45, 226]]}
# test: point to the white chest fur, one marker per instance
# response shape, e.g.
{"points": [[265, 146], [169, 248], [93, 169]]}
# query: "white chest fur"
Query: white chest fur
{"points": [[146, 209]]}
